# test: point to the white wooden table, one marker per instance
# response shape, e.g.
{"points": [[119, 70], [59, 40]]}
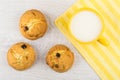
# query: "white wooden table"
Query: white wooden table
{"points": [[10, 12]]}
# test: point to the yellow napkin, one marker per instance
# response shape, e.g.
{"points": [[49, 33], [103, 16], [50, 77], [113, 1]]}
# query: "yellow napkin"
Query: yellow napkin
{"points": [[105, 60]]}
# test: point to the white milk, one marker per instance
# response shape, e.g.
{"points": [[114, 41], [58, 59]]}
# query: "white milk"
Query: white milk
{"points": [[86, 26]]}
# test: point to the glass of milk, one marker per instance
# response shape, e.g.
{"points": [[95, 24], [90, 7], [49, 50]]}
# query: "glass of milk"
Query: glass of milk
{"points": [[87, 26]]}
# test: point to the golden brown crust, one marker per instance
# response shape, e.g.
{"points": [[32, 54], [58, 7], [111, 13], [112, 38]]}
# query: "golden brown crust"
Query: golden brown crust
{"points": [[60, 58], [21, 56], [33, 24]]}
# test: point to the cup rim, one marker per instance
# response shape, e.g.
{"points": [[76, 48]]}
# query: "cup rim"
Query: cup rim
{"points": [[98, 15]]}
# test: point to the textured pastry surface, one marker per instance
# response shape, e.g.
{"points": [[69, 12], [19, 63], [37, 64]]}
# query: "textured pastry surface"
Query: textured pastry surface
{"points": [[33, 24], [60, 58], [21, 56]]}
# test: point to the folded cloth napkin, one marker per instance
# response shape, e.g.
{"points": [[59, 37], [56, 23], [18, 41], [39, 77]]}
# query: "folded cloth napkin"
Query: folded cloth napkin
{"points": [[105, 60]]}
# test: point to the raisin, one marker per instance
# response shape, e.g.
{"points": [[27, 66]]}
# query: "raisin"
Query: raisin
{"points": [[24, 46], [56, 65], [26, 28], [58, 55]]}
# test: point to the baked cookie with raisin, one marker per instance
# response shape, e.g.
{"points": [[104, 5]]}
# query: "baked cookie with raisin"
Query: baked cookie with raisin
{"points": [[33, 24], [21, 56], [60, 58]]}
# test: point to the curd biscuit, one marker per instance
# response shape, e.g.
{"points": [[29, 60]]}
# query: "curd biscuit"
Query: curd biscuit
{"points": [[21, 56], [60, 58], [33, 24]]}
